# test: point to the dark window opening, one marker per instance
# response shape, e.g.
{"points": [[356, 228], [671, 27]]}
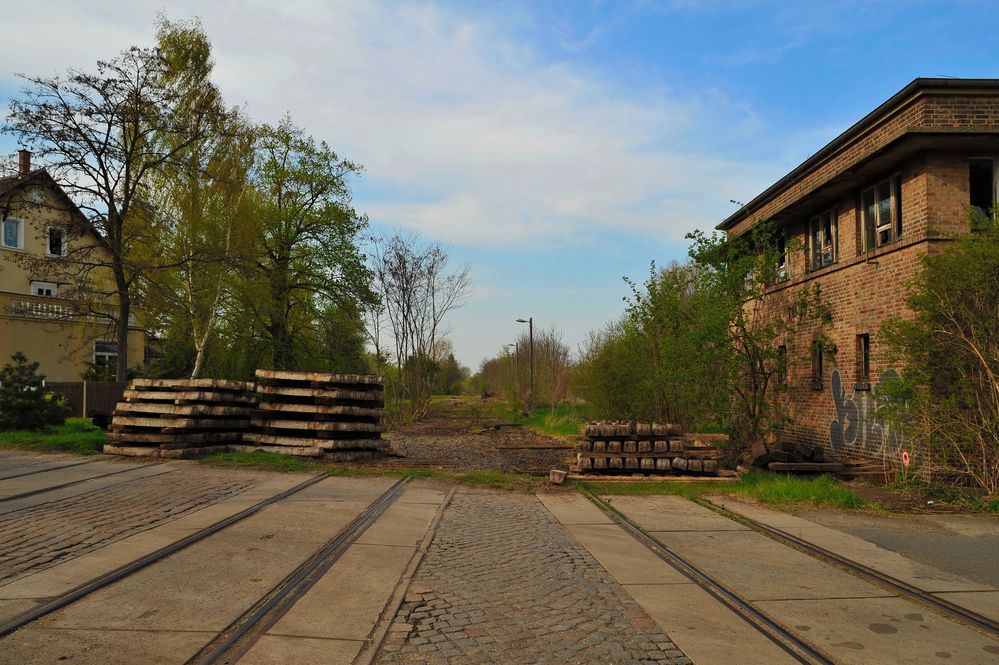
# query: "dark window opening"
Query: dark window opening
{"points": [[817, 365], [57, 245], [782, 272], [863, 361], [981, 183]]}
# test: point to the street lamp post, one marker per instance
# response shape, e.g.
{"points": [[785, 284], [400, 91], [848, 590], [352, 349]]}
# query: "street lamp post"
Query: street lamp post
{"points": [[530, 328]]}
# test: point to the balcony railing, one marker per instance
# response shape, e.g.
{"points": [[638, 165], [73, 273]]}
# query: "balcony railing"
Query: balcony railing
{"points": [[22, 306]]}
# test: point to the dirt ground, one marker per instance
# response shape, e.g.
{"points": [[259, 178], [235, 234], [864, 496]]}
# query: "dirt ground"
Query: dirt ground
{"points": [[463, 434]]}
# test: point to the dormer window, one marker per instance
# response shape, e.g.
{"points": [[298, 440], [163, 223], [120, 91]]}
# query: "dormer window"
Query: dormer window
{"points": [[824, 246], [45, 289], [56, 242], [881, 208]]}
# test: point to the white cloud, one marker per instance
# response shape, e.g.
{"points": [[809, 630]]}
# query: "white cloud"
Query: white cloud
{"points": [[502, 148]]}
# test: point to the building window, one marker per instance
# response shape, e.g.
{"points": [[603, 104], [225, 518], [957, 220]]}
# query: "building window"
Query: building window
{"points": [[863, 362], [881, 209], [782, 272], [56, 241], [817, 365], [106, 355], [781, 366], [47, 289], [13, 234], [982, 186], [823, 239]]}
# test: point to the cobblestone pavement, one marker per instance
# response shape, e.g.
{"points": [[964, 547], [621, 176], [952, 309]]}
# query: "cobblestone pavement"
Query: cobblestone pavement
{"points": [[49, 533], [503, 582]]}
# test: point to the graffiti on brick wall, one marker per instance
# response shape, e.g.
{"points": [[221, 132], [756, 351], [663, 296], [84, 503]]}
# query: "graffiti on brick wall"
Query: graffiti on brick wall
{"points": [[857, 421]]}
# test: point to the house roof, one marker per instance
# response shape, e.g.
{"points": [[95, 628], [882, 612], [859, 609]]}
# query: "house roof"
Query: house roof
{"points": [[861, 126], [42, 177]]}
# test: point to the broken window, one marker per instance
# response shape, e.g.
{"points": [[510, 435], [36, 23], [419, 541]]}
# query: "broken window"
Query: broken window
{"points": [[863, 361], [881, 207], [823, 239], [57, 242], [982, 186]]}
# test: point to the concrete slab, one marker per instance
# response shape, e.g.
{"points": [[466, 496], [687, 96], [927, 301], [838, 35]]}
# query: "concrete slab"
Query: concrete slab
{"points": [[628, 561], [271, 649], [402, 525], [347, 602], [758, 568], [983, 602], [671, 513], [59, 476], [570, 509], [101, 647], [344, 489], [423, 495], [857, 549], [138, 472], [69, 574], [707, 631], [882, 630]]}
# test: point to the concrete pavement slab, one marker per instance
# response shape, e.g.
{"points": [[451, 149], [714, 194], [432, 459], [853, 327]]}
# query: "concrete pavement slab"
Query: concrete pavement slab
{"points": [[983, 602], [758, 568], [857, 549], [60, 476], [138, 472], [671, 513], [628, 564], [872, 631], [573, 508], [402, 525], [423, 495], [707, 631], [271, 649], [100, 647]]}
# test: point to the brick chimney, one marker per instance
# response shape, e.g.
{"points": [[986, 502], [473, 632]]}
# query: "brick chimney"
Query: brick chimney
{"points": [[23, 162]]}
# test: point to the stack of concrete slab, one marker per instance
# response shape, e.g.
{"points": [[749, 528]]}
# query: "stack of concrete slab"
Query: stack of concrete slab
{"points": [[635, 447], [180, 417], [337, 417]]}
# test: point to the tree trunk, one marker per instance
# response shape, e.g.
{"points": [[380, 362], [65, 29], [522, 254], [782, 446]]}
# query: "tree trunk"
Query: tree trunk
{"points": [[124, 312]]}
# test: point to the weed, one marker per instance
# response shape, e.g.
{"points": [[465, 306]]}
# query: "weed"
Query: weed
{"points": [[76, 435]]}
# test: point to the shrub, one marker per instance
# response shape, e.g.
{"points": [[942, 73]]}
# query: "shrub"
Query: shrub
{"points": [[24, 402]]}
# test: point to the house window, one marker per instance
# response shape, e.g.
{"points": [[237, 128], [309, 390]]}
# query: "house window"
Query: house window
{"points": [[106, 355], [881, 208], [863, 362], [44, 289], [13, 234], [56, 241], [816, 365], [823, 239], [982, 186]]}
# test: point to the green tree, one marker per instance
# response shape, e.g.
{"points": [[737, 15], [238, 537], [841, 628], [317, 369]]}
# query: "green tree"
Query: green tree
{"points": [[24, 402], [306, 257], [947, 397]]}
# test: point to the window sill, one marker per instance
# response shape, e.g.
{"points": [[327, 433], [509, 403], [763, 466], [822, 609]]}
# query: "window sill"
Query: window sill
{"points": [[12, 249], [862, 386]]}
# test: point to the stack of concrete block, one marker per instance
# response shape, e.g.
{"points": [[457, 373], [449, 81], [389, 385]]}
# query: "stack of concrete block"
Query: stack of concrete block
{"points": [[180, 417], [634, 447], [336, 417]]}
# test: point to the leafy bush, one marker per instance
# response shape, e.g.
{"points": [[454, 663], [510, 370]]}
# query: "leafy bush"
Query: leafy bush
{"points": [[947, 397], [24, 402]]}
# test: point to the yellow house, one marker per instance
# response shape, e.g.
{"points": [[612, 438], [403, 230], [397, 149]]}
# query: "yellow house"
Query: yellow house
{"points": [[52, 307]]}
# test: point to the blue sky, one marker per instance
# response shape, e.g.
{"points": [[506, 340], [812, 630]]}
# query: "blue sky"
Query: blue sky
{"points": [[555, 146]]}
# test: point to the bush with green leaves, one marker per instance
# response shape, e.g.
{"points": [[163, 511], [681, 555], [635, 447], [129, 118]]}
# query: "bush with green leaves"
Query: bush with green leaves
{"points": [[946, 399], [24, 401]]}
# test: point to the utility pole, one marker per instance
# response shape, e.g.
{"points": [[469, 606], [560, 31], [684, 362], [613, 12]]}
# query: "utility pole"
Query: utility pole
{"points": [[530, 328]]}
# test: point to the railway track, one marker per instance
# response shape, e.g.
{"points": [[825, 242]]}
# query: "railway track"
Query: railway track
{"points": [[801, 651], [51, 468], [240, 636], [948, 609], [109, 578]]}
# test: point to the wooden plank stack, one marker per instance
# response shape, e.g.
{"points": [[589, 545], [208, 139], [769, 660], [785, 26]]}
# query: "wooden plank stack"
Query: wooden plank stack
{"points": [[630, 447], [180, 417], [337, 417]]}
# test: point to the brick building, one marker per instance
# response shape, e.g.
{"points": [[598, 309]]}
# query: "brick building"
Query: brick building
{"points": [[862, 211]]}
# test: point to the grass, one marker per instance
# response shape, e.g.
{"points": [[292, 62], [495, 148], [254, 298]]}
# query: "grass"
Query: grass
{"points": [[563, 422], [287, 464], [76, 435], [768, 488], [961, 497]]}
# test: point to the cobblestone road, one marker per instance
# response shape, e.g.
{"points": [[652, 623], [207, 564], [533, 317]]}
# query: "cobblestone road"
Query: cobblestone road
{"points": [[503, 582], [42, 535]]}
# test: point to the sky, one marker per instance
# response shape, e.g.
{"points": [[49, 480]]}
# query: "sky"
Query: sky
{"points": [[555, 147]]}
